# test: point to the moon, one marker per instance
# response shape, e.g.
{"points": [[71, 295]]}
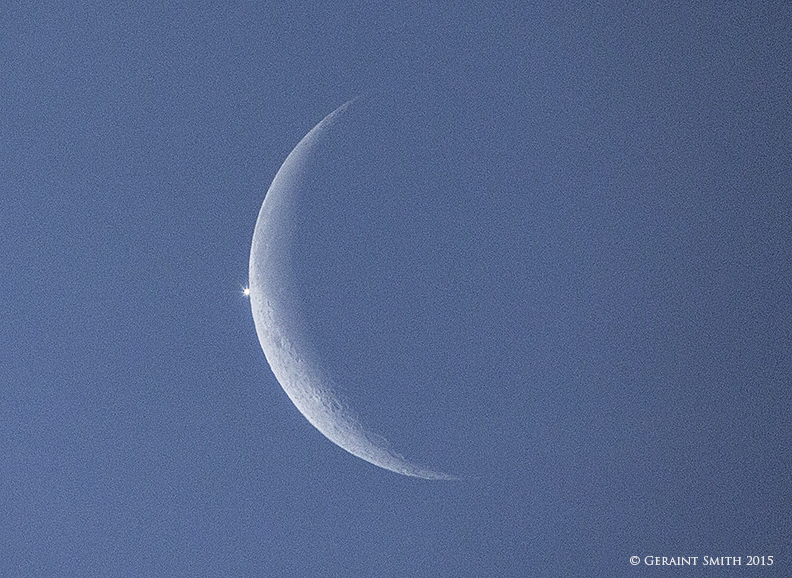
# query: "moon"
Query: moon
{"points": [[278, 293]]}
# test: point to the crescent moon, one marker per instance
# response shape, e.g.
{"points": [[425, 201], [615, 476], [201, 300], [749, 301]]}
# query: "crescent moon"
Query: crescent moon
{"points": [[281, 325]]}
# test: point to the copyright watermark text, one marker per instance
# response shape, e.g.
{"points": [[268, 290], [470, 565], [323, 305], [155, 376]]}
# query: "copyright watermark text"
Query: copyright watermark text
{"points": [[702, 560]]}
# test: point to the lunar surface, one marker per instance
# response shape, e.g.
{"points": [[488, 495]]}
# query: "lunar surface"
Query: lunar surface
{"points": [[316, 273]]}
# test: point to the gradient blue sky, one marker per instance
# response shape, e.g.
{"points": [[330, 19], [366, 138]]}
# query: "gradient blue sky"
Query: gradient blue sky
{"points": [[141, 431]]}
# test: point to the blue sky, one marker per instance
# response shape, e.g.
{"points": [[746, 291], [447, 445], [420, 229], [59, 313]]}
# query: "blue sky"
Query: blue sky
{"points": [[626, 168]]}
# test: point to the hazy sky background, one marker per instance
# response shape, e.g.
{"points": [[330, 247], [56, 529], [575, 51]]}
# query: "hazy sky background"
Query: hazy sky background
{"points": [[141, 430]]}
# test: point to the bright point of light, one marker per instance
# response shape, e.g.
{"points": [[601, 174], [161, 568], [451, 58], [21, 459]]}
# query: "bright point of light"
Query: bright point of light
{"points": [[246, 291]]}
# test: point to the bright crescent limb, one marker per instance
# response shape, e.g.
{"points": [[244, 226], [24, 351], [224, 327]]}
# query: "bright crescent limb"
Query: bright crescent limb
{"points": [[282, 331]]}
